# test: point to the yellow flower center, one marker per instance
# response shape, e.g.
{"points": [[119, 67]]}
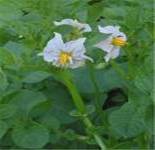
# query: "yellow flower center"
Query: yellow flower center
{"points": [[65, 57], [118, 41]]}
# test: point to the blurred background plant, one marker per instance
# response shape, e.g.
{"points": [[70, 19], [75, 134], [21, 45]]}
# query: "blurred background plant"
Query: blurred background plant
{"points": [[36, 109]]}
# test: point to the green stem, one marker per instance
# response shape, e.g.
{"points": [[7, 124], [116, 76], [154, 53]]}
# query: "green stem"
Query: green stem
{"points": [[99, 141], [76, 97], [82, 109]]}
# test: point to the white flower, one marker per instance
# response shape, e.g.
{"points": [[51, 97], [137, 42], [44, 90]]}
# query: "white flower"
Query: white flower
{"points": [[113, 43], [81, 26], [70, 54]]}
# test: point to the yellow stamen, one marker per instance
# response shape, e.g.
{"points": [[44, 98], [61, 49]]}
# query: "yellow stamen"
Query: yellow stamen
{"points": [[118, 41], [65, 57]]}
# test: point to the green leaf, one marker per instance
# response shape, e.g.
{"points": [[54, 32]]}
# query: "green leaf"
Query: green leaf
{"points": [[25, 100], [90, 109], [9, 11], [144, 83], [70, 135], [3, 81], [30, 135], [55, 138], [127, 122], [6, 57], [114, 12], [16, 48], [3, 128], [5, 35], [61, 102], [35, 77], [95, 11], [106, 80], [7, 110], [50, 122]]}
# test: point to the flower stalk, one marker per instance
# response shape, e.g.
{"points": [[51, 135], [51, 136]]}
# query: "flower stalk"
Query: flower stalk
{"points": [[82, 109]]}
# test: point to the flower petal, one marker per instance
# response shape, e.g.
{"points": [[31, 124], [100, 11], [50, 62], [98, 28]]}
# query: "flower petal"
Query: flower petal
{"points": [[81, 26], [51, 56], [87, 28], [107, 57], [76, 64], [53, 47], [64, 22], [121, 34], [113, 54], [75, 45], [89, 58], [55, 44], [109, 29], [106, 44]]}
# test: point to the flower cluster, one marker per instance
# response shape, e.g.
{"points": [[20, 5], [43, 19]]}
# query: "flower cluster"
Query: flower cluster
{"points": [[71, 54]]}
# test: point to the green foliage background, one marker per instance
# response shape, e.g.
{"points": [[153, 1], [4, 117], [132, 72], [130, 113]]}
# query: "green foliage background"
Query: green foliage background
{"points": [[35, 108]]}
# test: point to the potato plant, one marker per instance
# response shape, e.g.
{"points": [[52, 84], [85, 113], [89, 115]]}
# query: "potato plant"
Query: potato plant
{"points": [[76, 74]]}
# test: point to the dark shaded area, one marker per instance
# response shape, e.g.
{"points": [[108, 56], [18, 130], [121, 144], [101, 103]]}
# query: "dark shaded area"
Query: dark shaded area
{"points": [[116, 97], [25, 12], [94, 1], [100, 18]]}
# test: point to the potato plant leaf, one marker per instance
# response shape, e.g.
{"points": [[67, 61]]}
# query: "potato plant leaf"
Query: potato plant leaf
{"points": [[32, 136], [127, 122]]}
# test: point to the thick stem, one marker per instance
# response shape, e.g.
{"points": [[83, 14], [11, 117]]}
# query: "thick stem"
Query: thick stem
{"points": [[99, 141], [82, 109], [76, 97]]}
